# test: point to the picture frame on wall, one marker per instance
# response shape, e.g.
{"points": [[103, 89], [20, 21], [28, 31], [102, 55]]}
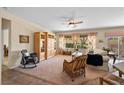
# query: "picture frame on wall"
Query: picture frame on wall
{"points": [[24, 39]]}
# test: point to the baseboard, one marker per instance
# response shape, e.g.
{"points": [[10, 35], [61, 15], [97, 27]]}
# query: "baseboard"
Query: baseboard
{"points": [[12, 67]]}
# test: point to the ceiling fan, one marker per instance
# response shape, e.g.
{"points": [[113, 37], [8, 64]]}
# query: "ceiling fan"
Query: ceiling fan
{"points": [[72, 21]]}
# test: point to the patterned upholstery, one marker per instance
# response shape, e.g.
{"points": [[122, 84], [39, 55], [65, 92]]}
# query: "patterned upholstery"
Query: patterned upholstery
{"points": [[76, 67]]}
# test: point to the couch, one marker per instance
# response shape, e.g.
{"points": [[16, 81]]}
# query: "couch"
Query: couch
{"points": [[105, 57], [95, 59]]}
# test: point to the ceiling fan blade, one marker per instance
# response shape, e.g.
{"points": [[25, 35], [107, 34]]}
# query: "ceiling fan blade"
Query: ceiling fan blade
{"points": [[76, 21]]}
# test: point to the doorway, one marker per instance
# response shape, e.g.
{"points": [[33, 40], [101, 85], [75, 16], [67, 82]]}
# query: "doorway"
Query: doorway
{"points": [[6, 28]]}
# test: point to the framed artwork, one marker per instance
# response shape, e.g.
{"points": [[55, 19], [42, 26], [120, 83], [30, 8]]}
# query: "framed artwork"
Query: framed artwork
{"points": [[23, 39]]}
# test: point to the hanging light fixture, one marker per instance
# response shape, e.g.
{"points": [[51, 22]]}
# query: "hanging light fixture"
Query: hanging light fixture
{"points": [[72, 21]]}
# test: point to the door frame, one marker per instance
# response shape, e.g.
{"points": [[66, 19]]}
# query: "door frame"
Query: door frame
{"points": [[118, 44], [9, 41]]}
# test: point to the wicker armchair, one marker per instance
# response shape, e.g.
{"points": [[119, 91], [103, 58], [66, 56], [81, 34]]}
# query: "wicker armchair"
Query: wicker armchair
{"points": [[76, 67]]}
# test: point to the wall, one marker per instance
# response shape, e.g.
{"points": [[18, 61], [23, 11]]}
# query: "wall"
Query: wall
{"points": [[20, 27], [5, 28], [0, 47], [101, 34], [16, 47]]}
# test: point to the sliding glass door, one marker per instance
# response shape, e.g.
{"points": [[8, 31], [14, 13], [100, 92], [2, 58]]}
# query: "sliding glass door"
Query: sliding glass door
{"points": [[116, 44], [121, 47]]}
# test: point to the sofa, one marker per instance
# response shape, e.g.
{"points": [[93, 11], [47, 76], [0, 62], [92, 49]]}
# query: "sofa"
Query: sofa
{"points": [[105, 58], [95, 59]]}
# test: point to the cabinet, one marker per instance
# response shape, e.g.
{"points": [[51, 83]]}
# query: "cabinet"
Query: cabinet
{"points": [[44, 45], [40, 45], [51, 45]]}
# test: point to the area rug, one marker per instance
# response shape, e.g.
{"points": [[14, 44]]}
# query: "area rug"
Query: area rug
{"points": [[51, 71]]}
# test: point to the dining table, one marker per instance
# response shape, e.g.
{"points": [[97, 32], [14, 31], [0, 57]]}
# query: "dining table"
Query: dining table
{"points": [[119, 67], [112, 55]]}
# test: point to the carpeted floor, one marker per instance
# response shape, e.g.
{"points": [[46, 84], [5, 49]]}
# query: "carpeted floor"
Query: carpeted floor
{"points": [[51, 71]]}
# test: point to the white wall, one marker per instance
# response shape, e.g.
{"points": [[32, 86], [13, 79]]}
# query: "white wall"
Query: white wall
{"points": [[19, 27], [0, 48], [16, 47], [100, 34], [5, 30]]}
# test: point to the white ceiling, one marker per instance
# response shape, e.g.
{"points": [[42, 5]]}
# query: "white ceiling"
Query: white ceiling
{"points": [[52, 17]]}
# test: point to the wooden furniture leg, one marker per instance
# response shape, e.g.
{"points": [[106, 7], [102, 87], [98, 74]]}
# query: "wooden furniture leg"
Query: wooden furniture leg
{"points": [[120, 74]]}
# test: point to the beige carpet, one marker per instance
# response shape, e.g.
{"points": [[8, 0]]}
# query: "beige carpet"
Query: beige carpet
{"points": [[51, 71]]}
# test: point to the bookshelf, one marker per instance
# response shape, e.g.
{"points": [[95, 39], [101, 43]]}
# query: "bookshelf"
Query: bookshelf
{"points": [[44, 45], [51, 45], [40, 43]]}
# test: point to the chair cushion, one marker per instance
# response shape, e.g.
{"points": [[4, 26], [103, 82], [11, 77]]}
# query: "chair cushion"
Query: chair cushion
{"points": [[27, 54]]}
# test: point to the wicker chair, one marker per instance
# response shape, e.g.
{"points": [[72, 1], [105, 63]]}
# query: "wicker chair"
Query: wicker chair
{"points": [[76, 67]]}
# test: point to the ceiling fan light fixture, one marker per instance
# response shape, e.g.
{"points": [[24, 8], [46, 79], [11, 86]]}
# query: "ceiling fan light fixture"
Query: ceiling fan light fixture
{"points": [[72, 25], [73, 21]]}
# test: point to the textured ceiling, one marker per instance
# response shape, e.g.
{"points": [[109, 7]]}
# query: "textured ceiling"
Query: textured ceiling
{"points": [[53, 17]]}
